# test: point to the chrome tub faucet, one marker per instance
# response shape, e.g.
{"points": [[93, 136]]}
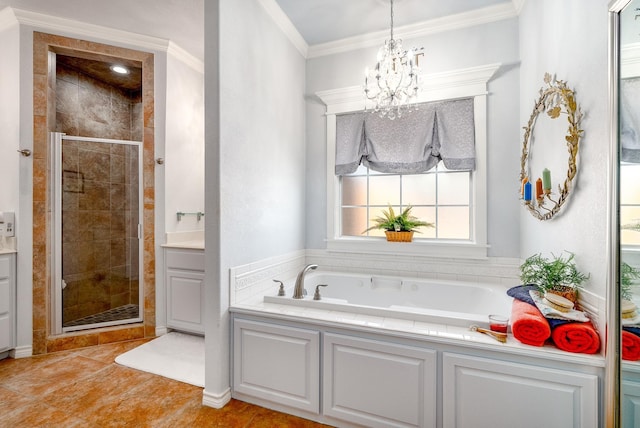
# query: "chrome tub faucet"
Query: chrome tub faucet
{"points": [[299, 291]]}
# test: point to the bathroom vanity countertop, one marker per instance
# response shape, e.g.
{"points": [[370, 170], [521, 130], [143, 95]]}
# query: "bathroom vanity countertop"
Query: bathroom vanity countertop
{"points": [[192, 245], [409, 329], [7, 251]]}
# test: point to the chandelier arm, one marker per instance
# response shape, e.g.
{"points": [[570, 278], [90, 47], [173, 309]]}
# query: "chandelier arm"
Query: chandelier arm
{"points": [[392, 20]]}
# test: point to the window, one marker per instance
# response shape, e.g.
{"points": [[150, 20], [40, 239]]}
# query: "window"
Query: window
{"points": [[438, 196], [455, 200]]}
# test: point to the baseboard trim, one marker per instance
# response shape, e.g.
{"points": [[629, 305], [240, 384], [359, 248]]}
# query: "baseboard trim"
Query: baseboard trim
{"points": [[21, 352], [217, 401], [161, 331]]}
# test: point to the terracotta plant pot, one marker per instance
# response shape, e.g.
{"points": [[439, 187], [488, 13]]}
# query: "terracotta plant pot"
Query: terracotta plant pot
{"points": [[399, 236]]}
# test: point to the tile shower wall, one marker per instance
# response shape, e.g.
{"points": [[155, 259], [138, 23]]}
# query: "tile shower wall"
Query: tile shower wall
{"points": [[99, 194], [88, 107]]}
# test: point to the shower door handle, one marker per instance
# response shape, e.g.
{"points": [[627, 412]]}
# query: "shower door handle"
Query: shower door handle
{"points": [[139, 231]]}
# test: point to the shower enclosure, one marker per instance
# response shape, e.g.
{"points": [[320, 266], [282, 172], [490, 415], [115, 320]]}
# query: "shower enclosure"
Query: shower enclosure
{"points": [[97, 216]]}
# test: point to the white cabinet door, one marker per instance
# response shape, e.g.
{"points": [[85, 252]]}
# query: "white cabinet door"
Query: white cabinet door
{"points": [[480, 392], [378, 384], [185, 300], [277, 363], [7, 302], [630, 404]]}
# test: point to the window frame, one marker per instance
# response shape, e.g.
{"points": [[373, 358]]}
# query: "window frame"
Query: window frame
{"points": [[463, 83]]}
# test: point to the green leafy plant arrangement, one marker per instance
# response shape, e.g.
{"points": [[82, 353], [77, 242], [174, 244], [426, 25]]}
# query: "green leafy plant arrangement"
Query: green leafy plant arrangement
{"points": [[627, 276], [403, 222], [551, 274]]}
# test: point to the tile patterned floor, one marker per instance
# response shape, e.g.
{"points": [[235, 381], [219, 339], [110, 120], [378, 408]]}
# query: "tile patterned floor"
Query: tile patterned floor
{"points": [[85, 388]]}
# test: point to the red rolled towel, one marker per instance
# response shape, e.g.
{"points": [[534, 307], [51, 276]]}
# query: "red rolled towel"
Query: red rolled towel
{"points": [[528, 325], [579, 337], [630, 346]]}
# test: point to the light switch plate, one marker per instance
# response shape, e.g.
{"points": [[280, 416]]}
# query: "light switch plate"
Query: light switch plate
{"points": [[9, 223]]}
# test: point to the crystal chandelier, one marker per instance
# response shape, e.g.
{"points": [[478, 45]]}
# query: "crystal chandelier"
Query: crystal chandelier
{"points": [[393, 83]]}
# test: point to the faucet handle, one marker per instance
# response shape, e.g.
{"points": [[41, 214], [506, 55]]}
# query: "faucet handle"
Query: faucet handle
{"points": [[316, 295], [281, 290]]}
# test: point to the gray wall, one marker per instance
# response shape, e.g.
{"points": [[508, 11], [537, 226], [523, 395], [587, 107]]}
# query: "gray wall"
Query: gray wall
{"points": [[480, 45], [569, 38]]}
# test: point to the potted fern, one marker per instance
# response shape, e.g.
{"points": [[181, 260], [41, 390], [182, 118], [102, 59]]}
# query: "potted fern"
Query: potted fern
{"points": [[628, 274], [558, 275], [398, 227]]}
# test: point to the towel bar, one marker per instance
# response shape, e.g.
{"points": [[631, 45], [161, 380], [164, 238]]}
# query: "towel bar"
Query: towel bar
{"points": [[181, 214]]}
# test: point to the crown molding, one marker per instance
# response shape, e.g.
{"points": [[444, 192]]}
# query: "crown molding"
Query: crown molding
{"points": [[88, 31], [448, 23], [7, 18], [185, 57], [284, 23], [518, 5]]}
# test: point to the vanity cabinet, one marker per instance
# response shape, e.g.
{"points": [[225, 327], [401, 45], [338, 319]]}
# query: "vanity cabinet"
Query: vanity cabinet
{"points": [[7, 303], [349, 377], [378, 384], [481, 392], [184, 279], [277, 363]]}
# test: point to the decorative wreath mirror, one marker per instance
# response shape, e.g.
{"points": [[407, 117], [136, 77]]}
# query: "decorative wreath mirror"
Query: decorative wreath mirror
{"points": [[556, 99]]}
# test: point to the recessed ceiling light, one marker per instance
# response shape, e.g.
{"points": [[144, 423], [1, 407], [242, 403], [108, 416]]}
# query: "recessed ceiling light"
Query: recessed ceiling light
{"points": [[119, 69]]}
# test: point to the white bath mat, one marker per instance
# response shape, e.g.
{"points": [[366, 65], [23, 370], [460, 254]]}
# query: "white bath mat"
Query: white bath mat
{"points": [[174, 355]]}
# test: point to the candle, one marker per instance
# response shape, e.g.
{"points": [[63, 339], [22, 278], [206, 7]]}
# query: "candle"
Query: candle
{"points": [[546, 179], [538, 188], [525, 181], [527, 191]]}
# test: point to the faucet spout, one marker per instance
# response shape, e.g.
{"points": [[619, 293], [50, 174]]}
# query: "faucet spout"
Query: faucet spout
{"points": [[298, 291]]}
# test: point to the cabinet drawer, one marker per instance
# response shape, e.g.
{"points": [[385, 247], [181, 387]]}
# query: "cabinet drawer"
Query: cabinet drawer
{"points": [[182, 259], [5, 267]]}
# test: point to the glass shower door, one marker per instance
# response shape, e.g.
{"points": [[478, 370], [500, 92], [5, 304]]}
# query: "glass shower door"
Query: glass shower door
{"points": [[97, 214]]}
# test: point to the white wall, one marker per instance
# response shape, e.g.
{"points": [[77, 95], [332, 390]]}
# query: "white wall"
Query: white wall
{"points": [[15, 170], [255, 160], [262, 166], [471, 49], [569, 38], [9, 110], [480, 45], [184, 146]]}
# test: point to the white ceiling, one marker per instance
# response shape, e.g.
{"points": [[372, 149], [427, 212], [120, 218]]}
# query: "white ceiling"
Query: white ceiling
{"points": [[318, 21], [322, 21]]}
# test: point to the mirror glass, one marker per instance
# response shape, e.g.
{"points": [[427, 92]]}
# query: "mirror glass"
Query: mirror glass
{"points": [[629, 209]]}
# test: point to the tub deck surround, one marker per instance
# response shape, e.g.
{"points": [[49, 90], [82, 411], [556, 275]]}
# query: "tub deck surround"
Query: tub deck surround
{"points": [[408, 329]]}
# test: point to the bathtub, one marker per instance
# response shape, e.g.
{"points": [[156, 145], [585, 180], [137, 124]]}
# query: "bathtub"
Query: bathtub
{"points": [[434, 301]]}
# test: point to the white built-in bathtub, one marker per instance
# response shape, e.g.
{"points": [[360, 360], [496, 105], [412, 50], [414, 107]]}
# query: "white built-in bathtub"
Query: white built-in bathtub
{"points": [[436, 301]]}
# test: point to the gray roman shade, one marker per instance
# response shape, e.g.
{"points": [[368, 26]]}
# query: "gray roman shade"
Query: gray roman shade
{"points": [[630, 120], [411, 144]]}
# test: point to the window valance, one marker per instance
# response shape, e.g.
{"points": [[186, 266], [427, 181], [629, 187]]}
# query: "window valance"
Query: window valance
{"points": [[411, 144]]}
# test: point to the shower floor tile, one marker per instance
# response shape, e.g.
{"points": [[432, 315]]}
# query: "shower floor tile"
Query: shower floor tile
{"points": [[124, 312], [86, 388]]}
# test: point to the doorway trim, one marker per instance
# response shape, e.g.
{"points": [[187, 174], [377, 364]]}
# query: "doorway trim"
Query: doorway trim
{"points": [[44, 45]]}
